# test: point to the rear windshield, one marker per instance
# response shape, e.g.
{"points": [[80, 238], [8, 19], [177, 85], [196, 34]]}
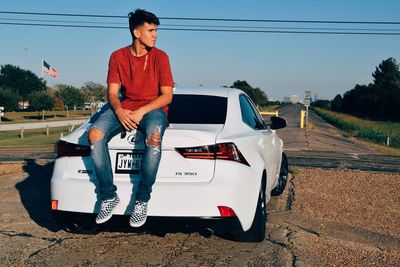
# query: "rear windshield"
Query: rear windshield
{"points": [[197, 109]]}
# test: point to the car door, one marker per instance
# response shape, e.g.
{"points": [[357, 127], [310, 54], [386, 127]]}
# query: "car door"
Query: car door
{"points": [[266, 141]]}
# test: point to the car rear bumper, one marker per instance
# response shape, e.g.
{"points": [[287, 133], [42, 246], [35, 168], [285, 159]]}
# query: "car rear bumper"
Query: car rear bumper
{"points": [[154, 224]]}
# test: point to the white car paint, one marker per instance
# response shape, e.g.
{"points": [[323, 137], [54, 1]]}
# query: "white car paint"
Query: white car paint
{"points": [[184, 187]]}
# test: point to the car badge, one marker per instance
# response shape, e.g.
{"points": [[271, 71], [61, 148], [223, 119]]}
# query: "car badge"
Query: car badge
{"points": [[131, 139]]}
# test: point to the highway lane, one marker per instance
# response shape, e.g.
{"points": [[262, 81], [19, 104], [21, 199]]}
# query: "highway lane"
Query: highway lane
{"points": [[323, 145]]}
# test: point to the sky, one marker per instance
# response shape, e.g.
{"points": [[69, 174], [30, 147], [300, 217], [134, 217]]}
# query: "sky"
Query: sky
{"points": [[281, 64]]}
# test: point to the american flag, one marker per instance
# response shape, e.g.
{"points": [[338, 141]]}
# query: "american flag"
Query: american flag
{"points": [[48, 69]]}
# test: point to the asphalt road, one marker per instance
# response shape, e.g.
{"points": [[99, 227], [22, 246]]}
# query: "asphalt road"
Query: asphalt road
{"points": [[324, 146]]}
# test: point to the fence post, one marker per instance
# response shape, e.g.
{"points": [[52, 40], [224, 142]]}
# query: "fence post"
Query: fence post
{"points": [[388, 140], [22, 133], [47, 130]]}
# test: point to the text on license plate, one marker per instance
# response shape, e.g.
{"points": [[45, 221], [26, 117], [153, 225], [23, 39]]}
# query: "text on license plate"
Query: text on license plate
{"points": [[128, 162]]}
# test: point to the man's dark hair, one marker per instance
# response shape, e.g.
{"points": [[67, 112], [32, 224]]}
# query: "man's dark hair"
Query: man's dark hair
{"points": [[139, 17]]}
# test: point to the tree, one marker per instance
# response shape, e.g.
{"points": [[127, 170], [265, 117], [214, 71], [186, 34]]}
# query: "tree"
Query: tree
{"points": [[94, 93], [387, 86], [361, 100], [256, 94], [71, 96], [387, 75], [336, 103], [321, 104], [22, 82], [40, 101], [8, 99], [379, 100]]}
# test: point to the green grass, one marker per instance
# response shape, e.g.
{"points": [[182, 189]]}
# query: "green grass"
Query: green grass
{"points": [[371, 131], [33, 116], [32, 138]]}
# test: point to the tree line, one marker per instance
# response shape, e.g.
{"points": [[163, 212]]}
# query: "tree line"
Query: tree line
{"points": [[18, 87], [378, 100]]}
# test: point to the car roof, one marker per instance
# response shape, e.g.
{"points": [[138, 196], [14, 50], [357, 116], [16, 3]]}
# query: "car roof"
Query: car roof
{"points": [[204, 90]]}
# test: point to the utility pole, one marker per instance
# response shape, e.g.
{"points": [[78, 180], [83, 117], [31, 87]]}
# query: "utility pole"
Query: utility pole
{"points": [[307, 102]]}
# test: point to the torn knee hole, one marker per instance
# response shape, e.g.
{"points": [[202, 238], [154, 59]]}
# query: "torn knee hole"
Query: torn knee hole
{"points": [[155, 138], [95, 135]]}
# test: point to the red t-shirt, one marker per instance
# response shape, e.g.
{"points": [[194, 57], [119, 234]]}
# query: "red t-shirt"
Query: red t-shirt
{"points": [[140, 77]]}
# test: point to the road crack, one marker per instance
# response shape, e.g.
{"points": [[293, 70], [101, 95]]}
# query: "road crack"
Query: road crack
{"points": [[291, 194]]}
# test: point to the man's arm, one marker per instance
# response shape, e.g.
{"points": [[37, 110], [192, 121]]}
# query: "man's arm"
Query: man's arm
{"points": [[130, 119], [162, 100], [124, 115]]}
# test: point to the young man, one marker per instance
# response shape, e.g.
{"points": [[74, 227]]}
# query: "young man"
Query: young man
{"points": [[142, 74]]}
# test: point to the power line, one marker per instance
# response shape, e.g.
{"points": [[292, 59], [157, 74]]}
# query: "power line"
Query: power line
{"points": [[207, 19], [63, 21], [204, 26], [62, 25], [206, 30]]}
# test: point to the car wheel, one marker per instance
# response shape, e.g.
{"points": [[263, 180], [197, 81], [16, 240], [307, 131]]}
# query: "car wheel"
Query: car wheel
{"points": [[256, 233], [283, 176]]}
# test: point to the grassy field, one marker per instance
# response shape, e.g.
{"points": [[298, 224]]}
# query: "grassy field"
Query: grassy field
{"points": [[32, 138], [20, 117], [372, 131], [37, 137]]}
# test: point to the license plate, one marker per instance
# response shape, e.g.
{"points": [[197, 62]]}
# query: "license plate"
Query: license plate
{"points": [[128, 162]]}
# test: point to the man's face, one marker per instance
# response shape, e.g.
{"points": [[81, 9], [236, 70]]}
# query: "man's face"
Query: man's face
{"points": [[146, 34]]}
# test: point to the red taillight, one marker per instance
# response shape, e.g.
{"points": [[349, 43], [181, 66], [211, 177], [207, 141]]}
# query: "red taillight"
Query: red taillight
{"points": [[63, 149], [54, 204], [226, 211], [226, 151]]}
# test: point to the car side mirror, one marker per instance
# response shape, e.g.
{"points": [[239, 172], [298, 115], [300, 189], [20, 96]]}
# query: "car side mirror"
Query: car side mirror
{"points": [[277, 123]]}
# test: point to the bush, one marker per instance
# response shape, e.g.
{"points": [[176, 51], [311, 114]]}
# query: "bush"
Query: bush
{"points": [[372, 131]]}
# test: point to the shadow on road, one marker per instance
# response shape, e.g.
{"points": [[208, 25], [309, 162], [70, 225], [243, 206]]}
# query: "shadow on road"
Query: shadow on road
{"points": [[34, 192], [35, 196]]}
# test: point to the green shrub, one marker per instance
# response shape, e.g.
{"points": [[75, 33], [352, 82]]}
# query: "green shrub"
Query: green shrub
{"points": [[372, 131]]}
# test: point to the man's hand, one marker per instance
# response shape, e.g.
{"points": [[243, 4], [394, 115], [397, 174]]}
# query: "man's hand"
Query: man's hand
{"points": [[129, 119]]}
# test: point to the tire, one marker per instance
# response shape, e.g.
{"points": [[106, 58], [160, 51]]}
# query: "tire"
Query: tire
{"points": [[256, 233], [283, 176]]}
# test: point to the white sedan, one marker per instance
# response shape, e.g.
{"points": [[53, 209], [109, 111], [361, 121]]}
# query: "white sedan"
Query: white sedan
{"points": [[220, 164]]}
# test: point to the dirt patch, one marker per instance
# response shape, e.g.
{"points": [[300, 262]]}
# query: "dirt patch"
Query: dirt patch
{"points": [[357, 198], [345, 218]]}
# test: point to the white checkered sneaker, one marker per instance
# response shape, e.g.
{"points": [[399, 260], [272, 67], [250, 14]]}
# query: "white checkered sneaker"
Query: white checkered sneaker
{"points": [[139, 215], [106, 209]]}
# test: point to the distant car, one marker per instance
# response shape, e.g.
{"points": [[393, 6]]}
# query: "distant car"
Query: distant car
{"points": [[220, 164]]}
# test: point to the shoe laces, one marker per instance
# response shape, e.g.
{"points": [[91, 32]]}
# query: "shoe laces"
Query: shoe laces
{"points": [[140, 207], [105, 203]]}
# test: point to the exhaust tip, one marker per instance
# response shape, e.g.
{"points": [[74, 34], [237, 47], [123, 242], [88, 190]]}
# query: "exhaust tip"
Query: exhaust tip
{"points": [[206, 232]]}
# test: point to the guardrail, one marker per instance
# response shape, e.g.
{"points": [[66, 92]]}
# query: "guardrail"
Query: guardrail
{"points": [[271, 113]]}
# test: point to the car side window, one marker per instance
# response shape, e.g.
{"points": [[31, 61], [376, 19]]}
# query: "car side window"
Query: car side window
{"points": [[260, 119], [248, 115]]}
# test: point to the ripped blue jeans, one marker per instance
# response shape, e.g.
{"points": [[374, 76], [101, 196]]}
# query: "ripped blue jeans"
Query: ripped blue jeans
{"points": [[152, 127]]}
